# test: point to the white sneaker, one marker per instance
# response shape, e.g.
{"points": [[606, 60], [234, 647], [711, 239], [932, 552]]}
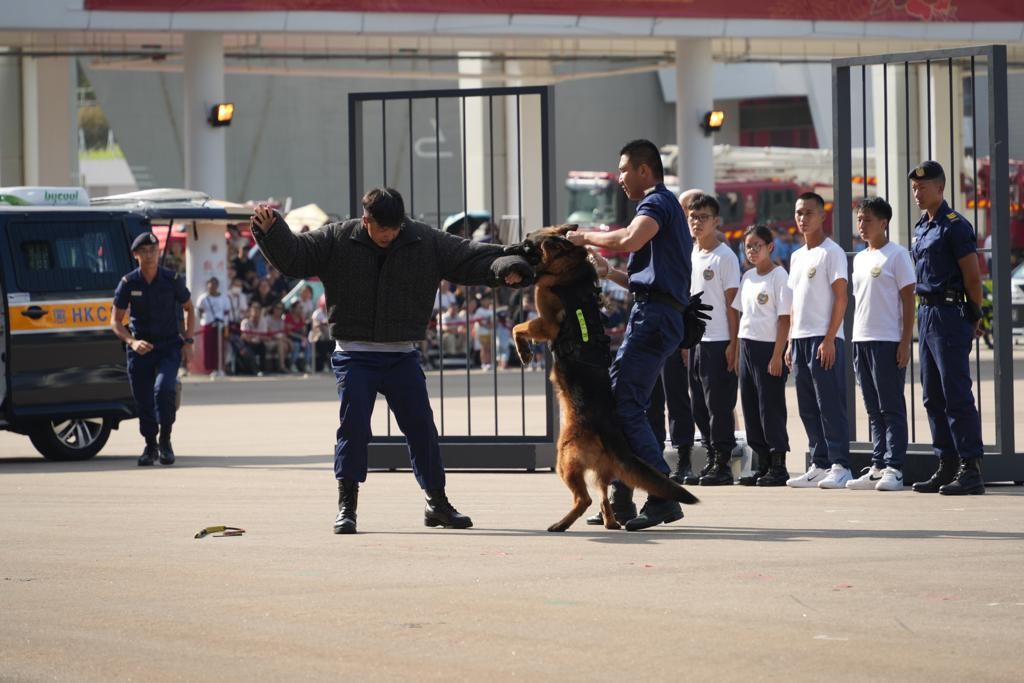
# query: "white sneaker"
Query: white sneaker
{"points": [[836, 478], [868, 480], [808, 479], [892, 480]]}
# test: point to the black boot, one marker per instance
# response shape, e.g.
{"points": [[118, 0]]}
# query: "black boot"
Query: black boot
{"points": [[968, 479], [166, 453], [763, 460], [777, 474], [682, 470], [720, 473], [654, 512], [149, 455], [439, 512], [709, 462], [348, 499], [942, 476], [623, 507]]}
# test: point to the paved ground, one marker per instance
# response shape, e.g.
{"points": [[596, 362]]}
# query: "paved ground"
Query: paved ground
{"points": [[101, 580]]}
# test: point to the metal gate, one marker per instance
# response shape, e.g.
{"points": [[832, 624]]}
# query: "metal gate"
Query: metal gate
{"points": [[466, 161], [929, 121]]}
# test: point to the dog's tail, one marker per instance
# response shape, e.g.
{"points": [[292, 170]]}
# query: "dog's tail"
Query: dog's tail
{"points": [[638, 474]]}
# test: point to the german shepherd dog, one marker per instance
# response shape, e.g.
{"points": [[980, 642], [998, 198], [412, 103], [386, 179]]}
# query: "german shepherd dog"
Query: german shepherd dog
{"points": [[567, 296]]}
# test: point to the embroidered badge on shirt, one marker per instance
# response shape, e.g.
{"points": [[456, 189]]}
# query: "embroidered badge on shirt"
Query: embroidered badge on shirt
{"points": [[811, 272], [136, 293], [876, 271], [951, 216], [709, 274], [762, 297]]}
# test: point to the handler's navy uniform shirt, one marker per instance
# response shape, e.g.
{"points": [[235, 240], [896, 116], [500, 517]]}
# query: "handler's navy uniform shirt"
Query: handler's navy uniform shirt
{"points": [[663, 264], [153, 306], [939, 244]]}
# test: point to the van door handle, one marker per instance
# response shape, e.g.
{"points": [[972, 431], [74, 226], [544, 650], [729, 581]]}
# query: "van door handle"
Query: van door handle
{"points": [[34, 312]]}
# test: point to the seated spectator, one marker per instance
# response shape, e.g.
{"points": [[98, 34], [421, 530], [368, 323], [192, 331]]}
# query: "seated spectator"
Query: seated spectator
{"points": [[453, 331], [483, 329], [300, 357], [253, 334], [264, 296], [277, 343], [306, 300], [320, 336]]}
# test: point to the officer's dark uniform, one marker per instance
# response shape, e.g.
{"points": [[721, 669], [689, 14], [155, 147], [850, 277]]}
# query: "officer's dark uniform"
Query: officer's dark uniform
{"points": [[154, 310], [946, 331]]}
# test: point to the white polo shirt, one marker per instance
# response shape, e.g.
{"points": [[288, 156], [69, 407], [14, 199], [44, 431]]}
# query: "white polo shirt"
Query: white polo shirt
{"points": [[878, 277], [713, 272], [760, 301], [811, 274]]}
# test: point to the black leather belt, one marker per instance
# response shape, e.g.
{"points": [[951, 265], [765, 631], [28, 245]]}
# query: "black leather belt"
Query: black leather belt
{"points": [[949, 297], [658, 298]]}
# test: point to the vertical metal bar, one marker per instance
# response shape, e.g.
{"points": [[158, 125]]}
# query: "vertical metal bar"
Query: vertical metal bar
{"points": [[974, 154], [842, 218], [437, 176], [355, 153], [999, 176], [412, 171], [469, 290], [928, 104], [547, 104], [384, 183], [494, 291], [864, 124], [910, 235], [885, 130], [952, 141], [519, 236]]}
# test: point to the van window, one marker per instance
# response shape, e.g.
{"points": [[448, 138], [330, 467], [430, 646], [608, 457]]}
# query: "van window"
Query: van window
{"points": [[776, 205], [66, 257]]}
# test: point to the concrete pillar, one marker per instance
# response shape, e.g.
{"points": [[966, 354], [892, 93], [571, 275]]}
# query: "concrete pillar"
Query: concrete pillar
{"points": [[523, 134], [477, 143], [890, 111], [946, 150], [204, 87], [11, 153], [205, 257], [49, 121], [694, 98]]}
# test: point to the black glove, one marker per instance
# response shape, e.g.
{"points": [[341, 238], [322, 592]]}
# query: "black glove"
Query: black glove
{"points": [[506, 265], [694, 321], [973, 312]]}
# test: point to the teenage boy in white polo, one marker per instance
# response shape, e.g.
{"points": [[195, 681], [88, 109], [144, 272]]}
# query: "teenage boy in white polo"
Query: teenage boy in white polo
{"points": [[816, 353], [883, 323]]}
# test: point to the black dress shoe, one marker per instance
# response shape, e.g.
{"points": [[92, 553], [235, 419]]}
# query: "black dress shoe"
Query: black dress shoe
{"points": [[166, 454], [654, 512], [148, 457]]}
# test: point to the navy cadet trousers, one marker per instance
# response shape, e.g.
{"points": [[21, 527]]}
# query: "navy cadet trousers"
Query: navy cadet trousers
{"points": [[154, 381], [672, 391], [881, 384], [653, 332], [360, 376], [945, 351], [821, 399], [713, 391], [763, 398]]}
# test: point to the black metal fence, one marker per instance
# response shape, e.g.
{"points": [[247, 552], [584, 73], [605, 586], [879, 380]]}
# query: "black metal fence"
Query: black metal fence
{"points": [[433, 145], [965, 75]]}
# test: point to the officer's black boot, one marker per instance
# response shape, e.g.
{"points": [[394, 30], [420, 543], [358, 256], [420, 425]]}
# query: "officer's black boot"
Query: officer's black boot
{"points": [[439, 512], [720, 473], [694, 479], [166, 451], [942, 476], [623, 508], [777, 474], [348, 499], [968, 479], [763, 460], [682, 470], [654, 512], [149, 455]]}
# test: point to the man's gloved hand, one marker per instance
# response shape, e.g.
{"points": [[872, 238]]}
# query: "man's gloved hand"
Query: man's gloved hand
{"points": [[695, 320], [512, 271]]}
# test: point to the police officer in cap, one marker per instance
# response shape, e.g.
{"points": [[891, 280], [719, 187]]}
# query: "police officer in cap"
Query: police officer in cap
{"points": [[949, 291], [153, 296]]}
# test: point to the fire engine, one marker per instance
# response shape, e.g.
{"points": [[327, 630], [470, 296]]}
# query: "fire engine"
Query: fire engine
{"points": [[980, 198]]}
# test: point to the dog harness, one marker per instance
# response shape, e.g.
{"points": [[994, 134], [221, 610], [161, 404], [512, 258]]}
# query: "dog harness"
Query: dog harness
{"points": [[581, 337]]}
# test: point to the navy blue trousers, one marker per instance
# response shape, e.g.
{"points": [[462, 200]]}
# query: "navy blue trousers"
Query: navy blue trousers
{"points": [[713, 393], [945, 352], [763, 398], [821, 399], [672, 391], [360, 376], [881, 385], [653, 333], [154, 381]]}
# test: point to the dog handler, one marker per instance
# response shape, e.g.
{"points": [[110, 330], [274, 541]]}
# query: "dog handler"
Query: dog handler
{"points": [[380, 275], [658, 275]]}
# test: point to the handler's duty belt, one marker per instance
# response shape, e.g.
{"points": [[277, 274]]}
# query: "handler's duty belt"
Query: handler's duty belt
{"points": [[949, 297], [657, 297]]}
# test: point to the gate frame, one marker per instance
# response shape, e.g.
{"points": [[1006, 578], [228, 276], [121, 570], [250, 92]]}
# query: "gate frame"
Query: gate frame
{"points": [[500, 452], [1002, 462]]}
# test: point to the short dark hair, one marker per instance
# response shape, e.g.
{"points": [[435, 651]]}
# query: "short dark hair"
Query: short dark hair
{"points": [[644, 152], [877, 206], [813, 197], [704, 201], [385, 206], [762, 231]]}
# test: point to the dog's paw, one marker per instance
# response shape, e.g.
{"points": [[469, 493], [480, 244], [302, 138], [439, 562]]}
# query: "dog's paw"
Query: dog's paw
{"points": [[612, 524], [525, 354], [557, 527]]}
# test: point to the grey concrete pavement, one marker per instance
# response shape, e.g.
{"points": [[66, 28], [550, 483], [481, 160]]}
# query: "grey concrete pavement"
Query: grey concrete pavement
{"points": [[101, 580]]}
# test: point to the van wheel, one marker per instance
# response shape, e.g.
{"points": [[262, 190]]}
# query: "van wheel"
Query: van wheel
{"points": [[72, 439]]}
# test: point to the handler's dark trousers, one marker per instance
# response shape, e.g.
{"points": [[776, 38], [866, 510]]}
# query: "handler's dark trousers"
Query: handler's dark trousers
{"points": [[360, 376], [672, 390], [154, 381], [713, 392], [945, 351], [653, 332], [763, 398], [881, 384], [821, 399]]}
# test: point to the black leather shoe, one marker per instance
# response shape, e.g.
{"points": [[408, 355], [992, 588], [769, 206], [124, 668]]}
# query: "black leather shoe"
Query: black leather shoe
{"points": [[942, 476], [348, 500], [440, 512], [166, 454], [621, 514], [148, 457], [654, 512], [720, 473], [968, 480]]}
